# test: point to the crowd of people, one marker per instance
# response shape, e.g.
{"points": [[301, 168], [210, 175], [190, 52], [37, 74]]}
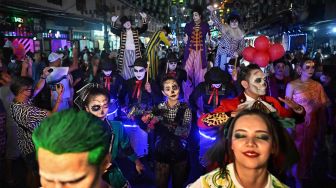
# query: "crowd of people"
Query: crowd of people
{"points": [[64, 114]]}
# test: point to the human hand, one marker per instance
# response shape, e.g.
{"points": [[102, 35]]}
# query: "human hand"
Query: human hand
{"points": [[139, 166], [185, 38], [27, 62], [148, 87], [235, 54], [145, 118], [291, 104], [210, 8], [46, 72], [114, 18], [59, 89], [143, 15], [234, 74]]}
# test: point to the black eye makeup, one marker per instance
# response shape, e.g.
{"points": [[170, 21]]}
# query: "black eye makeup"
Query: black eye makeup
{"points": [[239, 135], [265, 137], [175, 87], [96, 108]]}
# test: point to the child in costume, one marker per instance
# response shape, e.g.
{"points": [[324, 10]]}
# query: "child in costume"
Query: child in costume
{"points": [[171, 130]]}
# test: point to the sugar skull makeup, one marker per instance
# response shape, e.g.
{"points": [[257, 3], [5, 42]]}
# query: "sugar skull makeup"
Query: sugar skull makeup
{"points": [[171, 89], [257, 83], [98, 106], [172, 66], [139, 72]]}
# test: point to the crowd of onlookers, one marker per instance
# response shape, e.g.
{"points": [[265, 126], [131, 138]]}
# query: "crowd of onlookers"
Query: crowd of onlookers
{"points": [[31, 91]]}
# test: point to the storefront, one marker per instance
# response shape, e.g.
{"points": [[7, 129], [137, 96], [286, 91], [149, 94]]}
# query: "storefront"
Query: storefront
{"points": [[55, 40]]}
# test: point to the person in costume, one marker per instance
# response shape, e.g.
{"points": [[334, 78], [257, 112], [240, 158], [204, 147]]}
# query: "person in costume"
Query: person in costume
{"points": [[247, 152], [73, 150], [171, 130], [233, 68], [139, 91], [171, 69], [153, 49], [308, 134], [95, 100], [194, 59], [277, 82], [109, 78], [231, 43], [129, 43]]}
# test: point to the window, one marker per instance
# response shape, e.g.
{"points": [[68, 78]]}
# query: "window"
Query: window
{"points": [[56, 2]]}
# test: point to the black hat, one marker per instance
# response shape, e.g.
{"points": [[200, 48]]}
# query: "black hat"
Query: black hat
{"points": [[215, 76], [197, 9], [233, 16], [108, 64], [281, 60], [124, 19], [171, 57], [233, 60], [140, 62], [167, 29]]}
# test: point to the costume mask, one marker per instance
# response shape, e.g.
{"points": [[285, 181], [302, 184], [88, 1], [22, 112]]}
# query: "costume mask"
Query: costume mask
{"points": [[257, 83], [139, 72], [107, 72], [216, 85], [172, 66], [171, 89]]}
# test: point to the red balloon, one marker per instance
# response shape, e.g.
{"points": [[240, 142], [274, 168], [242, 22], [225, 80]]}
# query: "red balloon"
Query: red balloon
{"points": [[276, 51], [248, 53], [262, 43], [261, 58]]}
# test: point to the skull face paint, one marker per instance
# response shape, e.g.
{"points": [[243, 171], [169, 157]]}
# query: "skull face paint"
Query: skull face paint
{"points": [[139, 72], [216, 85], [257, 83], [107, 72], [171, 90], [172, 66], [230, 69]]}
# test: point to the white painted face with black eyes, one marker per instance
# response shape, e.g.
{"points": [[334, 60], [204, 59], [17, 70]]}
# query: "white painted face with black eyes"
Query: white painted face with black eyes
{"points": [[172, 66], [139, 72], [216, 85], [257, 83], [171, 90], [107, 72]]}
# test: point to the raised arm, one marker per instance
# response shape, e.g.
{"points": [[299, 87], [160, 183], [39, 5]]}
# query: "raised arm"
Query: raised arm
{"points": [[115, 30], [144, 26]]}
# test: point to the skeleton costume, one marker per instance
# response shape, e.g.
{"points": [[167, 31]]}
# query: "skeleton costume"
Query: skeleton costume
{"points": [[129, 46]]}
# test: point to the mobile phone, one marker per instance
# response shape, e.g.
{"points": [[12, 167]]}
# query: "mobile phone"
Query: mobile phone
{"points": [[58, 85]]}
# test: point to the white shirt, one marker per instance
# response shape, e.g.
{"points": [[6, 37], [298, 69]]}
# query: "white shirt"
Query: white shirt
{"points": [[250, 101], [129, 40]]}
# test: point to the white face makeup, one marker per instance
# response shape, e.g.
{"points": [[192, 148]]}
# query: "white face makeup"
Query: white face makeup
{"points": [[107, 73], [171, 90], [172, 66], [13, 61], [257, 83], [216, 85], [234, 24], [196, 17], [139, 72], [127, 25]]}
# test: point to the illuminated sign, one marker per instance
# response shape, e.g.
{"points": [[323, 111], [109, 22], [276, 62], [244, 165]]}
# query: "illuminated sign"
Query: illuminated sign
{"points": [[17, 19]]}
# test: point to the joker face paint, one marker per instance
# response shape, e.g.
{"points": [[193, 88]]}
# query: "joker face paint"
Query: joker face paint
{"points": [[171, 90], [139, 72], [257, 83], [172, 66]]}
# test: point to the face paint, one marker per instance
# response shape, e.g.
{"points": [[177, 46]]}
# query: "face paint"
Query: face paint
{"points": [[196, 17], [257, 83], [216, 85], [234, 24], [98, 106], [171, 89], [172, 66], [127, 25], [107, 73], [86, 58], [139, 72], [308, 69]]}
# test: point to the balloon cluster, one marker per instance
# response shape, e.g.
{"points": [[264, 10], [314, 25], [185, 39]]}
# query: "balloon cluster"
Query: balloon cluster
{"points": [[263, 52]]}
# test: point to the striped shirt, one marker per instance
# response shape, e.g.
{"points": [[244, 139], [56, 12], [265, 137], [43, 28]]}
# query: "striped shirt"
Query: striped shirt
{"points": [[28, 117], [227, 44]]}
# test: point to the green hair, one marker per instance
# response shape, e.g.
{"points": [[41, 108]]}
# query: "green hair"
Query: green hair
{"points": [[70, 131]]}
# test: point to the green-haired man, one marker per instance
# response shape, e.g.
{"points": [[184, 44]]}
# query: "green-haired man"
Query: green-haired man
{"points": [[72, 150]]}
